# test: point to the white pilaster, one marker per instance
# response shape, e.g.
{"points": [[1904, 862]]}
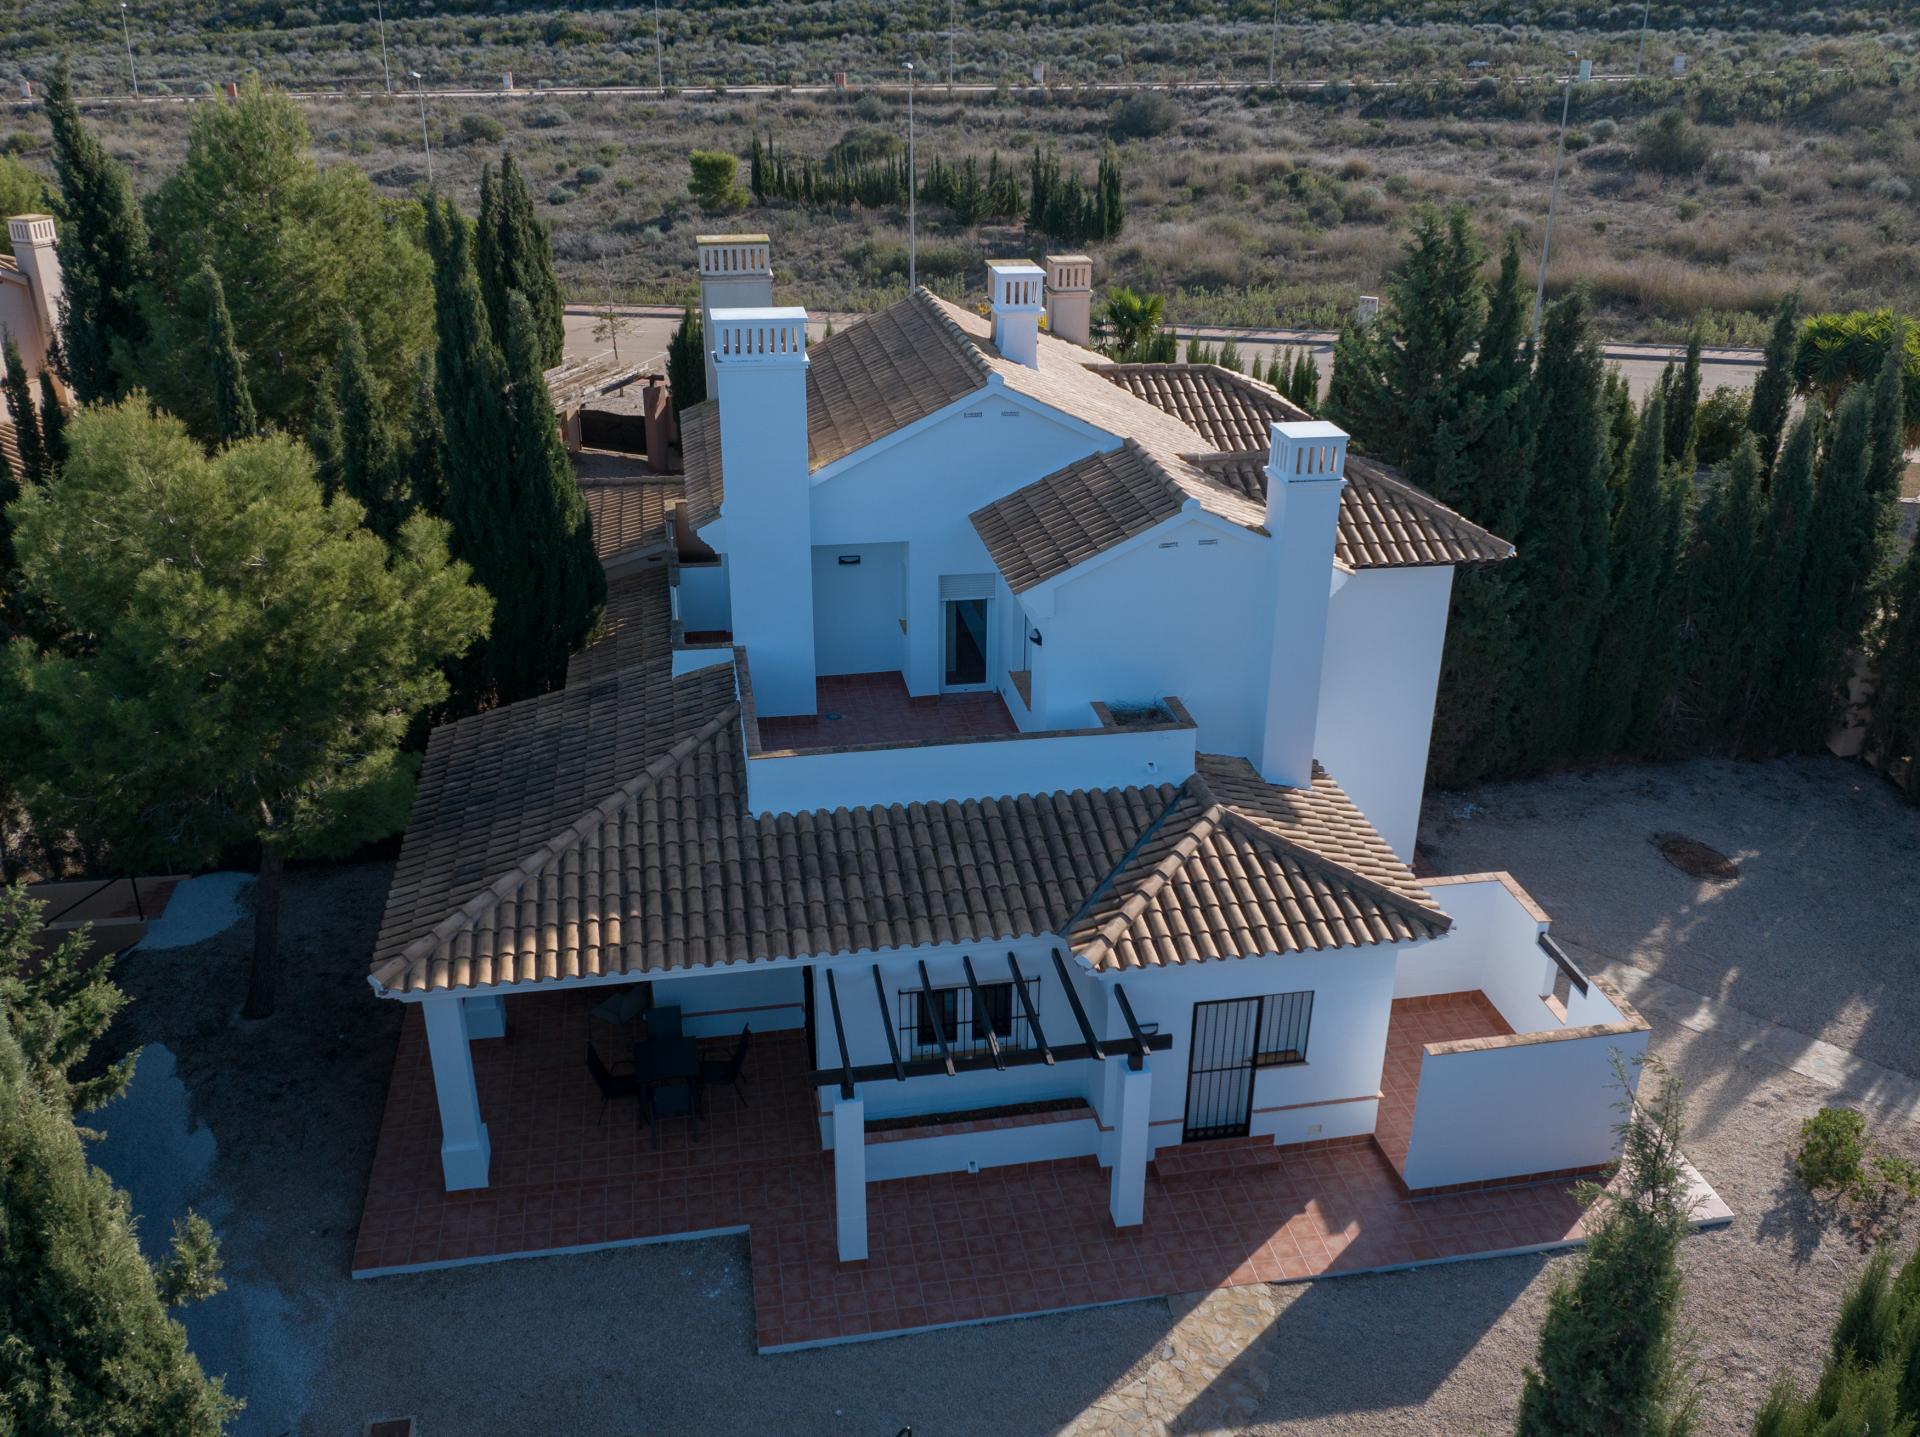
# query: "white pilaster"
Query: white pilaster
{"points": [[486, 1016], [464, 1151], [1127, 1199], [850, 1178]]}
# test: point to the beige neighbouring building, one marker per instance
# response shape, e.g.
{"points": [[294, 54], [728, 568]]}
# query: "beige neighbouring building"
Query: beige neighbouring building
{"points": [[30, 295]]}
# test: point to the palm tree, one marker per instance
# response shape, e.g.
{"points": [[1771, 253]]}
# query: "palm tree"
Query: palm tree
{"points": [[1131, 321]]}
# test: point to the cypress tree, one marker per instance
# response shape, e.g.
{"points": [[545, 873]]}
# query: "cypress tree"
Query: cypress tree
{"points": [[1773, 390], [1886, 430], [1833, 581], [18, 389], [513, 252], [1776, 605], [1723, 575], [1653, 702], [103, 252], [1230, 356], [53, 422], [563, 585], [1563, 563], [686, 363], [425, 442], [325, 440], [1622, 424], [1303, 385], [1893, 729], [233, 415], [1626, 628], [1683, 410], [369, 466]]}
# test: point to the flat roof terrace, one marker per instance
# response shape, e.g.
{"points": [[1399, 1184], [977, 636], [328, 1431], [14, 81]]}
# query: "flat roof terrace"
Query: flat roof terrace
{"points": [[854, 709]]}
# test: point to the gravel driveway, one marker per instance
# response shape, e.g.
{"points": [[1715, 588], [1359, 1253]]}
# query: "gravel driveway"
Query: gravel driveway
{"points": [[270, 1128]]}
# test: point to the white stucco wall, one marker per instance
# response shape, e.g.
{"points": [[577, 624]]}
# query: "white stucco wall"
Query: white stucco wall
{"points": [[1385, 632], [1157, 620], [701, 597], [1493, 946], [858, 608], [916, 489], [713, 1004]]}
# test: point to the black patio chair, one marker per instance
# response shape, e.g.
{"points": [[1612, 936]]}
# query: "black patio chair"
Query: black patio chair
{"points": [[611, 1084], [670, 1099], [726, 1071]]}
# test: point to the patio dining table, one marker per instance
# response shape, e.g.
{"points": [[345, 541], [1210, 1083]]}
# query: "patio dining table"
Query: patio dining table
{"points": [[661, 1062]]}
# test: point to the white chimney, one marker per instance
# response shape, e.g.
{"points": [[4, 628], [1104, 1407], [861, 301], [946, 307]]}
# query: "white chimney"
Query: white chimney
{"points": [[759, 357], [1015, 289], [39, 260], [736, 272], [1306, 469], [1070, 298]]}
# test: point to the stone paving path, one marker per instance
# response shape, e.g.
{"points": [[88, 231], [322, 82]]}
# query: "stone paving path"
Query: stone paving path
{"points": [[1208, 1374]]}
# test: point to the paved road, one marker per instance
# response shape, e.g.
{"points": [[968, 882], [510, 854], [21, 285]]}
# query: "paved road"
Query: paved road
{"points": [[649, 327]]}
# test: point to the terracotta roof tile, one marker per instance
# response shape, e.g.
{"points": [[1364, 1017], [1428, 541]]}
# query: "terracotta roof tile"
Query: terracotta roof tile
{"points": [[635, 627], [1230, 410], [628, 516]]}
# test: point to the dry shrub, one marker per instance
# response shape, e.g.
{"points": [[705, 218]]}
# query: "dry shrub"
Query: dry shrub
{"points": [[1668, 286]]}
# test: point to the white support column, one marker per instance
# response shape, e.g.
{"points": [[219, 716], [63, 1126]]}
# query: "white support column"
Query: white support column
{"points": [[486, 1016], [463, 1142], [850, 1177], [1128, 1197]]}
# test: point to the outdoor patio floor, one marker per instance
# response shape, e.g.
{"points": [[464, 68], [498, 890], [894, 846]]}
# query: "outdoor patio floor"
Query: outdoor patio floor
{"points": [[876, 708], [948, 1249]]}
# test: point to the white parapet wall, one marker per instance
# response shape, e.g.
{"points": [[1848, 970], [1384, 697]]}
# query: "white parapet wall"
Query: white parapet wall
{"points": [[1544, 1099]]}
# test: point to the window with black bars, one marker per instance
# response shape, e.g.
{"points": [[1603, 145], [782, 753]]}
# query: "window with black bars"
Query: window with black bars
{"points": [[966, 1027], [1284, 1021]]}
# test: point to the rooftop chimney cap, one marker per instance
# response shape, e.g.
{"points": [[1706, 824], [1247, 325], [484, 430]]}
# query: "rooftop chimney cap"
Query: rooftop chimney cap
{"points": [[30, 229], [1306, 450], [1016, 285], [775, 334], [1069, 273]]}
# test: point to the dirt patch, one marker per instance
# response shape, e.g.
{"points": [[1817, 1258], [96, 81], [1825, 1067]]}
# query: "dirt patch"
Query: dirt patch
{"points": [[1694, 858]]}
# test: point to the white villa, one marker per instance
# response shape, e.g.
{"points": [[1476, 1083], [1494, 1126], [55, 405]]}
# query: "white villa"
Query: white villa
{"points": [[1043, 740]]}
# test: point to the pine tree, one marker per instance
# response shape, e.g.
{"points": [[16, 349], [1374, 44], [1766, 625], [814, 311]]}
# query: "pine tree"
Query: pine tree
{"points": [[1626, 628], [370, 468], [18, 388], [326, 443], [1833, 581], [686, 364], [1773, 390], [53, 422], [1776, 606], [1563, 563], [1723, 575], [103, 253], [513, 251], [1683, 410], [233, 415], [562, 586], [1893, 728]]}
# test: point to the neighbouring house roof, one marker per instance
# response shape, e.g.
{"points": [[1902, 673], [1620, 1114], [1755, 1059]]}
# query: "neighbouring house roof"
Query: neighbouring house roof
{"points": [[1046, 528], [635, 624], [700, 462], [573, 382], [1385, 522], [627, 514], [1230, 410], [10, 448], [538, 854], [1239, 865]]}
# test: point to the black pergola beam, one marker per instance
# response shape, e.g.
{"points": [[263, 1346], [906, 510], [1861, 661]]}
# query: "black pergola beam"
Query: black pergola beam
{"points": [[1033, 1018], [886, 1025], [1073, 1000], [979, 1007], [1138, 1059], [976, 1062], [846, 1078], [933, 1017]]}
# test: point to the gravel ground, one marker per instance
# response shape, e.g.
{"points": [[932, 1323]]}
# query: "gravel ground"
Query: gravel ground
{"points": [[269, 1128]]}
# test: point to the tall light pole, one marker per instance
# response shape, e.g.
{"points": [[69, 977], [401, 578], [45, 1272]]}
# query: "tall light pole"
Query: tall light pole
{"points": [[1646, 9], [127, 36], [659, 52], [426, 146], [1273, 42], [1546, 243], [380, 14], [913, 176], [950, 6]]}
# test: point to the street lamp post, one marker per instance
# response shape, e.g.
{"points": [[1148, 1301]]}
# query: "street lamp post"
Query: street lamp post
{"points": [[1273, 42], [1546, 243], [380, 14], [426, 145], [913, 240], [1646, 9], [659, 53], [950, 9], [127, 36]]}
